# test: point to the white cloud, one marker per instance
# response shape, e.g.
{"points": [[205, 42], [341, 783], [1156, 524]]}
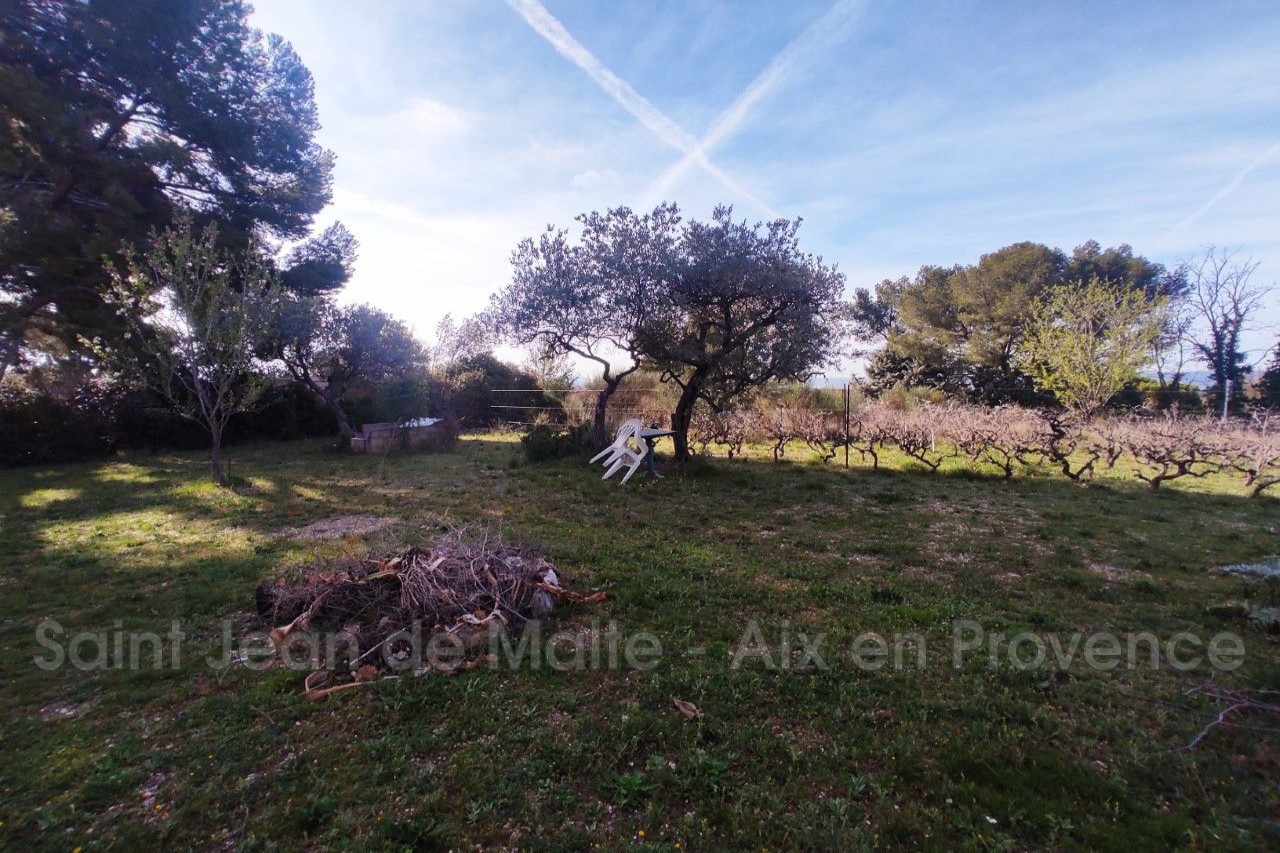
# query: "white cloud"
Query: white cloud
{"points": [[422, 267], [425, 119], [596, 178], [457, 133]]}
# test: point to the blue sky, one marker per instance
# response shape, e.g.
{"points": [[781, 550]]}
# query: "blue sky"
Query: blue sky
{"points": [[903, 133]]}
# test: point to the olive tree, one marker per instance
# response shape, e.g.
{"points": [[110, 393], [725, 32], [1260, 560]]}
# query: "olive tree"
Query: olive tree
{"points": [[589, 298], [327, 349], [738, 305]]}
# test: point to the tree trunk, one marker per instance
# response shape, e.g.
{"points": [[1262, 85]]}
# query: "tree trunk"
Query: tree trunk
{"points": [[215, 456], [344, 422], [327, 397], [599, 424], [9, 353], [683, 415]]}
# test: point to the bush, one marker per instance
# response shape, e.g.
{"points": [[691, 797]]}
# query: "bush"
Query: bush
{"points": [[1147, 394], [903, 398], [470, 385], [442, 439], [406, 398], [284, 413], [547, 441], [101, 418], [38, 429]]}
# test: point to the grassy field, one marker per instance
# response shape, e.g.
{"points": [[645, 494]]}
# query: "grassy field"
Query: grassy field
{"points": [[976, 757]]}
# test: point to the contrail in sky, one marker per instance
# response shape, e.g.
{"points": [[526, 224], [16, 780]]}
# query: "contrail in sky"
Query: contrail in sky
{"points": [[546, 25], [1231, 187], [814, 37]]}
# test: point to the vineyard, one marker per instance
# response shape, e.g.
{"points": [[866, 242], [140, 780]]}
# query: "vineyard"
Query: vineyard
{"points": [[1155, 448]]}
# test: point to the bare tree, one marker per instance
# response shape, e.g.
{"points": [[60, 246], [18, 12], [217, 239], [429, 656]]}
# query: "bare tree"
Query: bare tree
{"points": [[1224, 303], [1169, 350]]}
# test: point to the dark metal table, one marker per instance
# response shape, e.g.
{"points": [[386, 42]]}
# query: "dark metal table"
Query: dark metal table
{"points": [[649, 436]]}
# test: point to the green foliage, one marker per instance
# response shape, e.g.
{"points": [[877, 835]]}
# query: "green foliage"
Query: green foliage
{"points": [[406, 397], [322, 264], [1269, 383], [1085, 341], [542, 442], [38, 428], [103, 417], [329, 349], [742, 306], [959, 328], [198, 315], [718, 308], [1150, 394], [904, 398], [115, 115], [470, 385], [590, 299]]}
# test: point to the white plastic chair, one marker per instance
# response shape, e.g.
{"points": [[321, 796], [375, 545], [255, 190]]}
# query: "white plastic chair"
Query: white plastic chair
{"points": [[628, 429], [621, 455]]}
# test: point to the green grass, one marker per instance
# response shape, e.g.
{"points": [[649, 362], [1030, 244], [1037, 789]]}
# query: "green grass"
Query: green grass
{"points": [[974, 757]]}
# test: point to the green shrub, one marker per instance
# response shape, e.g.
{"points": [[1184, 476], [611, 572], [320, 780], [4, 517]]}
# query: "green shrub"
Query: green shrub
{"points": [[548, 441]]}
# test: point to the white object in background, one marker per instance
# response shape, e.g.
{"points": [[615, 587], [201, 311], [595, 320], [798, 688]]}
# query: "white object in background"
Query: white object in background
{"points": [[621, 454], [629, 429]]}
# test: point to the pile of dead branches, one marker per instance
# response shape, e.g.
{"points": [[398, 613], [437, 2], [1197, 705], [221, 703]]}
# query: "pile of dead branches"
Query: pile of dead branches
{"points": [[467, 583]]}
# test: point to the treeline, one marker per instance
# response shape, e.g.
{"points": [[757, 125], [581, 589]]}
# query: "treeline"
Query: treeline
{"points": [[162, 274], [99, 417], [159, 191], [1033, 325]]}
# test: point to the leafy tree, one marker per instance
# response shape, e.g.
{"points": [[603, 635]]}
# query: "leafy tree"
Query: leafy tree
{"points": [[992, 302], [718, 308], [469, 385], [322, 265], [1084, 341], [741, 306], [1269, 384], [1089, 261], [406, 397], [198, 314], [590, 299], [114, 114], [873, 316], [959, 328], [329, 349], [458, 341], [1223, 302]]}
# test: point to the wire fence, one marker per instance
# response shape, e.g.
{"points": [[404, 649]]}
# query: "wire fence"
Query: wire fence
{"points": [[651, 408]]}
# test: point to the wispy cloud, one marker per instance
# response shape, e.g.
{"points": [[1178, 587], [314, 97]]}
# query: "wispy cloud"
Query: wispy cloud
{"points": [[546, 25], [1231, 186], [812, 40]]}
